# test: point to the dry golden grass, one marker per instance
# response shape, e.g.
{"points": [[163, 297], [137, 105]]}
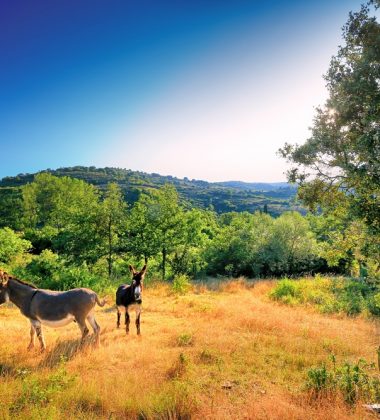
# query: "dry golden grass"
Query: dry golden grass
{"points": [[210, 354]]}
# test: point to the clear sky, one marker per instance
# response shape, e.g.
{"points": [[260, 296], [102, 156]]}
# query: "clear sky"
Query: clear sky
{"points": [[207, 89]]}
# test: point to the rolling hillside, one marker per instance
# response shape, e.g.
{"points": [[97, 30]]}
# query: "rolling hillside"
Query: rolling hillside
{"points": [[223, 196]]}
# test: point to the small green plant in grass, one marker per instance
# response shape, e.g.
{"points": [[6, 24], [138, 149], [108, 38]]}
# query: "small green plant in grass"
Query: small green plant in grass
{"points": [[179, 367], [319, 379], [185, 340], [181, 284], [38, 392]]}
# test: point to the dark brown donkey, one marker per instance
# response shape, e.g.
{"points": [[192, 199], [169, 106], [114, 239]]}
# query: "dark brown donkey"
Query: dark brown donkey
{"points": [[54, 309], [129, 296]]}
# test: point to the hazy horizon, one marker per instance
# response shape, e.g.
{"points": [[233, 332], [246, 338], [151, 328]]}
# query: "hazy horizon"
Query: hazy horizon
{"points": [[204, 90]]}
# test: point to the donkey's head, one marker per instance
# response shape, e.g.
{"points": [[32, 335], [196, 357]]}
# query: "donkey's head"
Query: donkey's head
{"points": [[137, 281], [4, 277]]}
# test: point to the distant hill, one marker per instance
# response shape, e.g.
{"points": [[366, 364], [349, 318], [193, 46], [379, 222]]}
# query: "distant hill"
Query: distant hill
{"points": [[257, 186], [222, 196]]}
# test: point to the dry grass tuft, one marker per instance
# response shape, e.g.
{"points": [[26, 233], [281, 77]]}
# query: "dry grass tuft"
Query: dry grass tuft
{"points": [[215, 353]]}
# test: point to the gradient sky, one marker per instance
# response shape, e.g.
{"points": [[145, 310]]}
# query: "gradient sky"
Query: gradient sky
{"points": [[205, 89]]}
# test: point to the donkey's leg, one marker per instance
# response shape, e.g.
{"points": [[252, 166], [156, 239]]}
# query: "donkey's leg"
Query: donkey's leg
{"points": [[138, 313], [91, 319], [37, 326], [32, 336], [83, 328], [118, 318], [127, 320]]}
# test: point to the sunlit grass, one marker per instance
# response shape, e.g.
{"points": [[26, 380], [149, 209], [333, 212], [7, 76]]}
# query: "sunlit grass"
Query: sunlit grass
{"points": [[229, 352]]}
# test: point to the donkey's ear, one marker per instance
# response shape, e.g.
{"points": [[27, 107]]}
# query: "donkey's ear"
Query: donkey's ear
{"points": [[132, 270], [143, 271], [3, 277]]}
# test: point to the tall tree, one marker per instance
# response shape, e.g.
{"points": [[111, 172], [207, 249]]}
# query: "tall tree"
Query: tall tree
{"points": [[343, 152], [111, 221], [341, 159], [157, 225]]}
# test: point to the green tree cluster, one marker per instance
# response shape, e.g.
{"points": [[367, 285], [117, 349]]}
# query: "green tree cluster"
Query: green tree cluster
{"points": [[338, 167], [69, 227]]}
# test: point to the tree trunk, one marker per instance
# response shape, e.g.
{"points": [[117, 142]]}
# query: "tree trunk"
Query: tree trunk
{"points": [[163, 263]]}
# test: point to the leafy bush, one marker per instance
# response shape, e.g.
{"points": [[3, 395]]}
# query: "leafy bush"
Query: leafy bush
{"points": [[374, 304], [284, 290], [181, 284], [12, 245]]}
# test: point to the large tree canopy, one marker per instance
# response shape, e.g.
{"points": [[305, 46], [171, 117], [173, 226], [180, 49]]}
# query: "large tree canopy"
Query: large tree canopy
{"points": [[343, 153]]}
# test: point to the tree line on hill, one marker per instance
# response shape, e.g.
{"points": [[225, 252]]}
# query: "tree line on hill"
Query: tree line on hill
{"points": [[66, 233], [222, 197]]}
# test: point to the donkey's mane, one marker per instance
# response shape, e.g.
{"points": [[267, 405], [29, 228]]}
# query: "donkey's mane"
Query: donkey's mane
{"points": [[23, 282]]}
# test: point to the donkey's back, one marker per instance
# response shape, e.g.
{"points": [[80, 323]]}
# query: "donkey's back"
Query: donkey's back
{"points": [[51, 305]]}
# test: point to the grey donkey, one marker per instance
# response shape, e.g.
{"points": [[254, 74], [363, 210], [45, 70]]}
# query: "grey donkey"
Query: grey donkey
{"points": [[47, 307]]}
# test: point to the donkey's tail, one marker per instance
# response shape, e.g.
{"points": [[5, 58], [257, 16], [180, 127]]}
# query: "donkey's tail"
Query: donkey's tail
{"points": [[100, 303]]}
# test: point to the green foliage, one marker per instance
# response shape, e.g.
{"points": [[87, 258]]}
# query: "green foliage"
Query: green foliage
{"points": [[79, 236], [53, 201], [320, 380], [338, 167], [258, 245], [49, 271], [181, 284], [285, 288], [329, 295], [10, 207], [374, 304], [223, 197], [12, 246], [354, 381], [111, 221]]}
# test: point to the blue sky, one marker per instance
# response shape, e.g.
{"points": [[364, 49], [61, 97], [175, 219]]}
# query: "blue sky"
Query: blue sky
{"points": [[204, 89]]}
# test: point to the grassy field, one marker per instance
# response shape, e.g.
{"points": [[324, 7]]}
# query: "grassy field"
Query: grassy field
{"points": [[225, 353]]}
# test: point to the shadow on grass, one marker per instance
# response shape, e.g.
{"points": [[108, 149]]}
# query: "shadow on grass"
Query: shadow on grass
{"points": [[109, 309], [67, 350], [9, 370]]}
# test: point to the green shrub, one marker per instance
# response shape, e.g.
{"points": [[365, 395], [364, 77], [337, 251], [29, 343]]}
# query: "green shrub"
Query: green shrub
{"points": [[320, 380], [286, 291], [181, 284], [329, 295], [374, 304], [353, 381]]}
